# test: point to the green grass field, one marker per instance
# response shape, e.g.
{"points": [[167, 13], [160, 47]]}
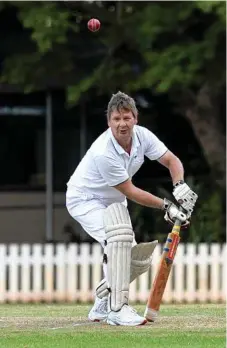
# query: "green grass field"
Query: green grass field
{"points": [[66, 326]]}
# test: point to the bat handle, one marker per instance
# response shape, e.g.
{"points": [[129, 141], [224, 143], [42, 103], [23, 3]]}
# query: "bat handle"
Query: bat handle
{"points": [[178, 222]]}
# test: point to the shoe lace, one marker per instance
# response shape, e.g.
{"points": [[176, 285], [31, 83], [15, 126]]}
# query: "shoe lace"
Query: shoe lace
{"points": [[130, 309], [103, 305]]}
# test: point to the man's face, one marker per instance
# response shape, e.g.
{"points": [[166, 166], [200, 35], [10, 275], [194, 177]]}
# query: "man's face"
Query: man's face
{"points": [[122, 123]]}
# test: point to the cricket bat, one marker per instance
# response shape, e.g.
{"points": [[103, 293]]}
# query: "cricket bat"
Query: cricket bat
{"points": [[164, 268]]}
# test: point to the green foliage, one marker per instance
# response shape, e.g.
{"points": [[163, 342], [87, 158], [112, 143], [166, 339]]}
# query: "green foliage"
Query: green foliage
{"points": [[74, 92], [181, 61], [208, 223], [218, 7], [159, 34], [20, 63], [48, 24], [169, 69]]}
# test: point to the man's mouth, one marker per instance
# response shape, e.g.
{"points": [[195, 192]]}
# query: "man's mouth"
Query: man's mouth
{"points": [[123, 131]]}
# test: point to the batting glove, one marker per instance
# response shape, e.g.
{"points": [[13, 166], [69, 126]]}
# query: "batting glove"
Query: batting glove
{"points": [[173, 213], [185, 196]]}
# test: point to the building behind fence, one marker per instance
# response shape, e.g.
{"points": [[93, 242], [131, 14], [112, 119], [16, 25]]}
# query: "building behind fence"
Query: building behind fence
{"points": [[70, 272]]}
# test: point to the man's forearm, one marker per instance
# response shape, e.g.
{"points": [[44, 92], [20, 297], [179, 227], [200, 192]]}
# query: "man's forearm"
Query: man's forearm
{"points": [[145, 198], [176, 170]]}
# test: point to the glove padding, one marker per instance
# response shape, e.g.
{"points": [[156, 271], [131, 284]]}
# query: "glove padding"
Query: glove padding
{"points": [[185, 196], [173, 213]]}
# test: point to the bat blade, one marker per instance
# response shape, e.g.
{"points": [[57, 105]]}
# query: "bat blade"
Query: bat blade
{"points": [[162, 275]]}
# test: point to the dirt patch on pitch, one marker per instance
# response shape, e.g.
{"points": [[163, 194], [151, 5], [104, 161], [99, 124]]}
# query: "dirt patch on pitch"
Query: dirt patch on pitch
{"points": [[194, 322], [39, 323]]}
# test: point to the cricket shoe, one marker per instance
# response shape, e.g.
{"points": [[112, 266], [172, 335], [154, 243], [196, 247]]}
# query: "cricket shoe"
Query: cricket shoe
{"points": [[126, 316], [99, 311]]}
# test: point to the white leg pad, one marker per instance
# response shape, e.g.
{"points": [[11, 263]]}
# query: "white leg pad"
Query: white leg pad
{"points": [[119, 238], [102, 289], [141, 257]]}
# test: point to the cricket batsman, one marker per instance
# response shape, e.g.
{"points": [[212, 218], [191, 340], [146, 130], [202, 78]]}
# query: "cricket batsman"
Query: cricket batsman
{"points": [[96, 198]]}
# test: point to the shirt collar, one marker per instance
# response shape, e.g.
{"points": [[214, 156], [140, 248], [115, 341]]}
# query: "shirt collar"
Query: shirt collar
{"points": [[120, 150]]}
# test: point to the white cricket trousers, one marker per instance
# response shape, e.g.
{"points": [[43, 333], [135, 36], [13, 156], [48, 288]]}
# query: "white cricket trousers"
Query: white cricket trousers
{"points": [[89, 214]]}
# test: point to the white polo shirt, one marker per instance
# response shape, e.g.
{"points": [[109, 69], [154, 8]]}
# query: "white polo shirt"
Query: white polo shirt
{"points": [[106, 164]]}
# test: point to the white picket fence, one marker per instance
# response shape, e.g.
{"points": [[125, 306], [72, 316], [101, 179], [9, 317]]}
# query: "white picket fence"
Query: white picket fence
{"points": [[34, 273]]}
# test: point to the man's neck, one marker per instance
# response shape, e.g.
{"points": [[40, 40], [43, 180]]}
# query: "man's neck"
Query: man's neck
{"points": [[126, 146]]}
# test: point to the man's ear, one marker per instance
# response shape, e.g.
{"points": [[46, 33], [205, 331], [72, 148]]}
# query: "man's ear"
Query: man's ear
{"points": [[136, 120]]}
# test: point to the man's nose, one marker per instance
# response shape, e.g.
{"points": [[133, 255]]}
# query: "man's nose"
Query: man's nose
{"points": [[122, 123]]}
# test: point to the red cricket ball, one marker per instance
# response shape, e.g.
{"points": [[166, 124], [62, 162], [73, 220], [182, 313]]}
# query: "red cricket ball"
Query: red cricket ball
{"points": [[93, 24]]}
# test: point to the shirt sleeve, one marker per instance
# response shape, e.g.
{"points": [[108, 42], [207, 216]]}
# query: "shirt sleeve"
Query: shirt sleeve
{"points": [[111, 171], [154, 148]]}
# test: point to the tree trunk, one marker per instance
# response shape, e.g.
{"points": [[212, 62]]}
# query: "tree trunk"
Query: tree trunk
{"points": [[205, 120]]}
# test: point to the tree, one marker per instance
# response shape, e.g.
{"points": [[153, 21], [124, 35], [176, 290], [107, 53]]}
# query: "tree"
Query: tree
{"points": [[190, 67], [169, 47]]}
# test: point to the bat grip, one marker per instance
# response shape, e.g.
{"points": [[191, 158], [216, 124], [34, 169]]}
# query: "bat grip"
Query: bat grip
{"points": [[177, 221]]}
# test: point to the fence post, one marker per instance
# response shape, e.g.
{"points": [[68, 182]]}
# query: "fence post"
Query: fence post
{"points": [[3, 290]]}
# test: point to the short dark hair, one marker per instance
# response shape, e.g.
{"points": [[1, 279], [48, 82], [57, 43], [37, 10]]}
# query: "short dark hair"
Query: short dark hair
{"points": [[121, 101]]}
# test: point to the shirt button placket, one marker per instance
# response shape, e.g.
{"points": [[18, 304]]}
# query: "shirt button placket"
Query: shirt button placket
{"points": [[126, 159]]}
